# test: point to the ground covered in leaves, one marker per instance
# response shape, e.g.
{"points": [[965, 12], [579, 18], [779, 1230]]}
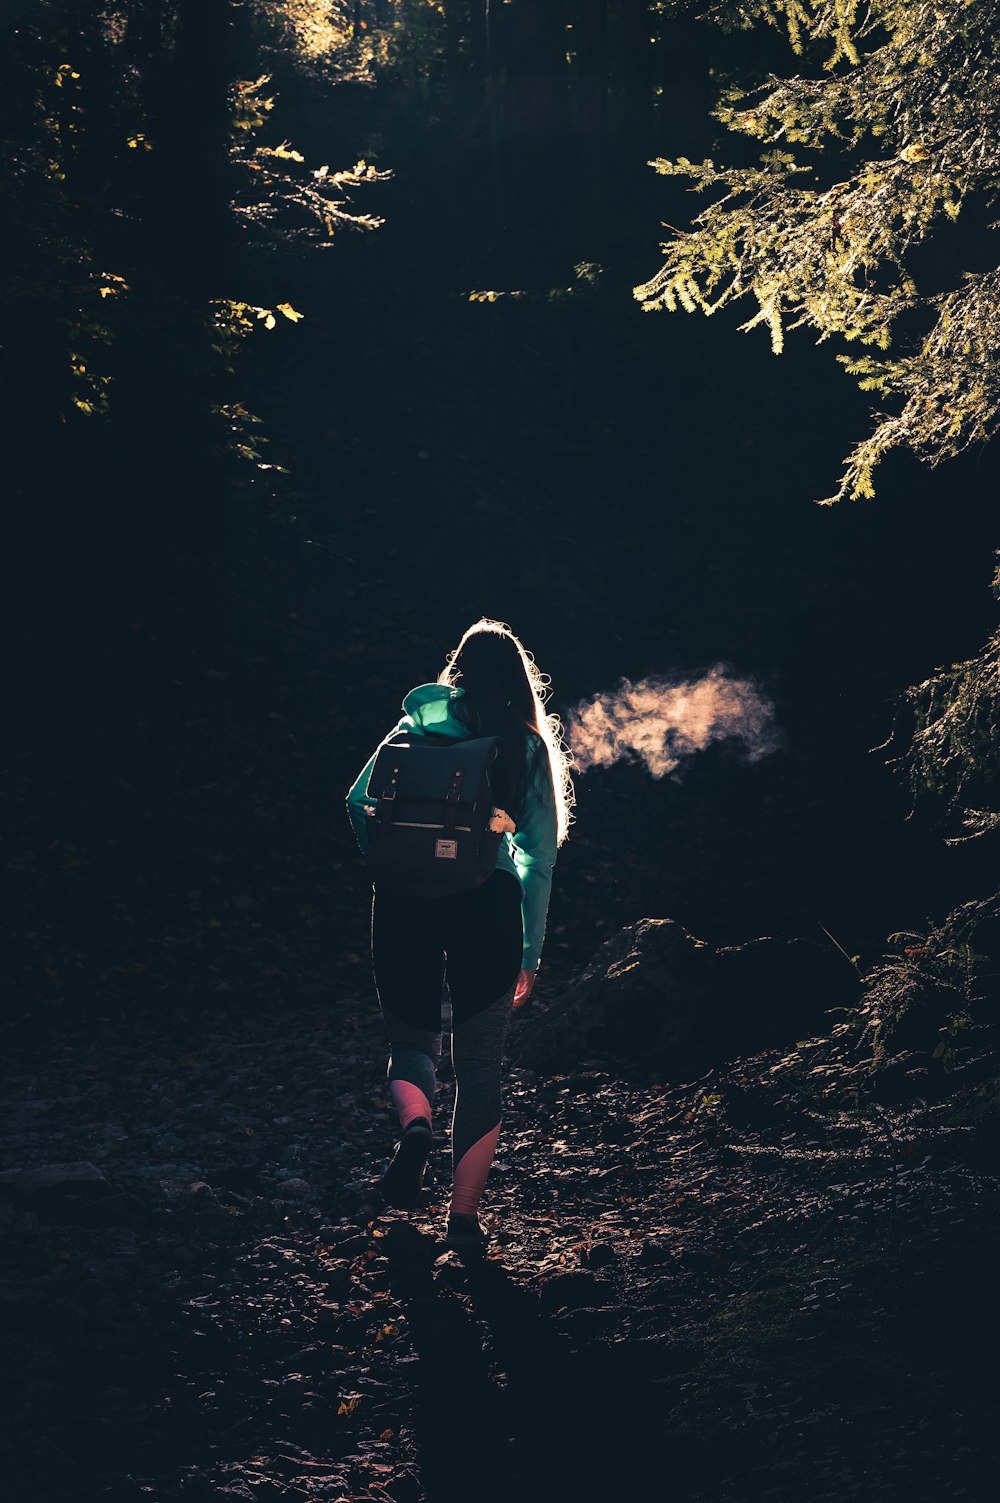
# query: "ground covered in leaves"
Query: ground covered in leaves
{"points": [[710, 1289]]}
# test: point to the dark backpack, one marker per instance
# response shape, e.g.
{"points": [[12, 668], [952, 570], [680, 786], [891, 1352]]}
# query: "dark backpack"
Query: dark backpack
{"points": [[429, 835]]}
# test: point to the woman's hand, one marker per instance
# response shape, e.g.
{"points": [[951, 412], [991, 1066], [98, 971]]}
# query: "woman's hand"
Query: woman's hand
{"points": [[522, 991]]}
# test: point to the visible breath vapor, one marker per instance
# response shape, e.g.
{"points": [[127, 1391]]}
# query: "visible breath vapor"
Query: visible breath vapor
{"points": [[661, 722]]}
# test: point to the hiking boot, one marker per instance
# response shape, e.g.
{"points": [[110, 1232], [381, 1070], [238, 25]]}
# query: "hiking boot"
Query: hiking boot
{"points": [[403, 1180], [465, 1236]]}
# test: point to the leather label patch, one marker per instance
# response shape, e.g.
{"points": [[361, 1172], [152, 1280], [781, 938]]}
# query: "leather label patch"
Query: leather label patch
{"points": [[446, 849]]}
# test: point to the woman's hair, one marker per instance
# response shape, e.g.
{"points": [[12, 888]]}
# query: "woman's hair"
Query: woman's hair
{"points": [[505, 696]]}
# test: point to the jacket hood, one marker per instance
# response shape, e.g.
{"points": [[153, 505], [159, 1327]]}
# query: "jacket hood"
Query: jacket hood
{"points": [[428, 706]]}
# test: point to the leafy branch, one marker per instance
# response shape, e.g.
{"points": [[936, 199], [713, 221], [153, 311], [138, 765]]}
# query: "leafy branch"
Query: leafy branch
{"points": [[918, 111]]}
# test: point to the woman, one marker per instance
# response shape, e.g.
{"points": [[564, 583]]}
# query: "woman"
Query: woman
{"points": [[488, 938]]}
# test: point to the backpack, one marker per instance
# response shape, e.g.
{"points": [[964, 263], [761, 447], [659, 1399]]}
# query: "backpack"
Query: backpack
{"points": [[429, 835]]}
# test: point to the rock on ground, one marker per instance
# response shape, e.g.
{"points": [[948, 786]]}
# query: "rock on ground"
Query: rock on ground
{"points": [[662, 1004]]}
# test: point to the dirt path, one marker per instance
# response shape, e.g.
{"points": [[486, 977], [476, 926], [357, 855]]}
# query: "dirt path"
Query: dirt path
{"points": [[217, 1309]]}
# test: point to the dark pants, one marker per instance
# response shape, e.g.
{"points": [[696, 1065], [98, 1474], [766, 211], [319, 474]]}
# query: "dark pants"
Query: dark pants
{"points": [[475, 936], [476, 939]]}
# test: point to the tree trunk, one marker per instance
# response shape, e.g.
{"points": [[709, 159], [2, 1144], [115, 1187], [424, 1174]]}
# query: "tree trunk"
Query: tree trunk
{"points": [[591, 46], [167, 483], [636, 77], [535, 131], [683, 63]]}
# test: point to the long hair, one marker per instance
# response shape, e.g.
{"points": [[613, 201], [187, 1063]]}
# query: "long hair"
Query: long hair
{"points": [[505, 696]]}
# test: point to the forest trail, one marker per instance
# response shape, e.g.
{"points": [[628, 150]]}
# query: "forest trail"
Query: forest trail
{"points": [[699, 1291]]}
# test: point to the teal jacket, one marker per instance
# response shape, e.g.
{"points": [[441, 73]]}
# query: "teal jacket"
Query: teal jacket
{"points": [[530, 853]]}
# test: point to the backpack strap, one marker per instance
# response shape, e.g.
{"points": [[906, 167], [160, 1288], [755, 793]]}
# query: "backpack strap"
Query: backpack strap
{"points": [[388, 799], [451, 802]]}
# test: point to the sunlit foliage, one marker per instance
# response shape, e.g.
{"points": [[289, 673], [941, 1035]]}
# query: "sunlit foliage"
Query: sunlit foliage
{"points": [[131, 151], [314, 28], [891, 128], [358, 39], [955, 747], [924, 1012], [279, 192]]}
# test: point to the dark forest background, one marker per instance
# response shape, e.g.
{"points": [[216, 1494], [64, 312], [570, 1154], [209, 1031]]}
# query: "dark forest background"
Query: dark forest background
{"points": [[237, 535]]}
